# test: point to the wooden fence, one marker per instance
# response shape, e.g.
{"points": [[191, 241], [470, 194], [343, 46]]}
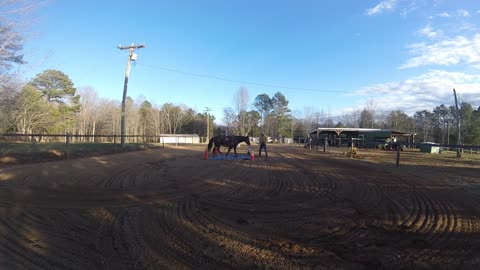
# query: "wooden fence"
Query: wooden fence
{"points": [[102, 138]]}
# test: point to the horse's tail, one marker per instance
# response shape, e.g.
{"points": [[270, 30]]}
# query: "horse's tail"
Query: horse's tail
{"points": [[210, 143]]}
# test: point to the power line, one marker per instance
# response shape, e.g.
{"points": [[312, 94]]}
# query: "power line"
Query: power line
{"points": [[238, 81]]}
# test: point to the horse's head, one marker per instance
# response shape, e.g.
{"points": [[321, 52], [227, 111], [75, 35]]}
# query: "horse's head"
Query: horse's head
{"points": [[247, 140]]}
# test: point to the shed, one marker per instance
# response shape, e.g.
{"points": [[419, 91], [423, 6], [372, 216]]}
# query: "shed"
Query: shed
{"points": [[178, 138], [430, 148]]}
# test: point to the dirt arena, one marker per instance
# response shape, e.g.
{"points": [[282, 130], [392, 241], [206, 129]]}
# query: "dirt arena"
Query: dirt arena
{"points": [[169, 209]]}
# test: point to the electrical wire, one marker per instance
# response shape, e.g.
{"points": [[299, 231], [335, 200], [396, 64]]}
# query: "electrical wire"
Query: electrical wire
{"points": [[186, 73]]}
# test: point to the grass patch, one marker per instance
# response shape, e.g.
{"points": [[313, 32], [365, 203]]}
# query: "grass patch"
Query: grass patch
{"points": [[24, 152]]}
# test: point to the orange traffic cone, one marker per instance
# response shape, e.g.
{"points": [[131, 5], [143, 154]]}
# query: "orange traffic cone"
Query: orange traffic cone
{"points": [[205, 155], [252, 156]]}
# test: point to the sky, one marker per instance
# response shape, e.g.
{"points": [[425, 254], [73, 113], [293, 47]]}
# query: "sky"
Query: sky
{"points": [[327, 56]]}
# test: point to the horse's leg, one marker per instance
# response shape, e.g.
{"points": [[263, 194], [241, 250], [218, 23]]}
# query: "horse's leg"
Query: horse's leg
{"points": [[229, 148], [235, 150]]}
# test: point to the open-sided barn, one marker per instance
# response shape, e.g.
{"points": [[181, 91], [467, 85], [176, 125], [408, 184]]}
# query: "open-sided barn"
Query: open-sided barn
{"points": [[363, 137]]}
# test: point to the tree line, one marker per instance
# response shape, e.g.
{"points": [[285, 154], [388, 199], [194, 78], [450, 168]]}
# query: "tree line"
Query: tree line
{"points": [[50, 104], [436, 125]]}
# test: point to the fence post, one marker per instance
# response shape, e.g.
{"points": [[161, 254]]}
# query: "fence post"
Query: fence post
{"points": [[32, 149], [350, 141], [398, 154], [67, 154], [115, 143]]}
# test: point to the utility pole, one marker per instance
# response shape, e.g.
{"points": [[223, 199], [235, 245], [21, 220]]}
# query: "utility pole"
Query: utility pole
{"points": [[131, 57], [207, 110], [457, 114]]}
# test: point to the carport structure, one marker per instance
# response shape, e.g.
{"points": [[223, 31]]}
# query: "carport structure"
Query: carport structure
{"points": [[364, 137]]}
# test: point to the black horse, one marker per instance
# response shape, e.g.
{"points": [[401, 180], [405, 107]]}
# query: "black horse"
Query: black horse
{"points": [[227, 141]]}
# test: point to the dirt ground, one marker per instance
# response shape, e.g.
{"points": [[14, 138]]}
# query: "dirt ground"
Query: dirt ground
{"points": [[169, 209]]}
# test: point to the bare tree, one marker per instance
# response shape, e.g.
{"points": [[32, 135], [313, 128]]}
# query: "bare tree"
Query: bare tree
{"points": [[9, 91], [371, 107], [310, 119], [350, 120], [11, 43], [240, 101], [177, 117], [86, 118], [229, 119], [13, 18]]}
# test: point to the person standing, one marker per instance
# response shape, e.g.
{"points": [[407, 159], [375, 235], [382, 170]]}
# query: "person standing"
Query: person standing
{"points": [[263, 145]]}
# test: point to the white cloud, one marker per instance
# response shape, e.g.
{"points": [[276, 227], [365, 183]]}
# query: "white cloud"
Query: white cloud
{"points": [[466, 26], [381, 7], [463, 13], [424, 91], [445, 52], [429, 32], [408, 9], [444, 14]]}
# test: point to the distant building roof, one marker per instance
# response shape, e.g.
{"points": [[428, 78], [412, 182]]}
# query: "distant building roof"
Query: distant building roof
{"points": [[363, 130]]}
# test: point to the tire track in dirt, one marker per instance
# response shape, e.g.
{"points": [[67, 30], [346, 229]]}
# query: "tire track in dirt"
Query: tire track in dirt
{"points": [[407, 208], [433, 218]]}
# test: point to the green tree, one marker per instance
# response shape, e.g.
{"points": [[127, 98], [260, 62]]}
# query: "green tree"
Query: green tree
{"points": [[473, 134], [58, 90], [280, 112], [54, 85], [253, 119], [399, 120], [442, 117], [424, 121], [466, 122], [189, 125], [366, 119], [33, 113], [263, 104]]}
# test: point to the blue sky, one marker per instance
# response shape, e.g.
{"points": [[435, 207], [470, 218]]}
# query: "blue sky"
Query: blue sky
{"points": [[333, 56]]}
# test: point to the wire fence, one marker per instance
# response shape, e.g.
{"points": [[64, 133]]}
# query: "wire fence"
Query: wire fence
{"points": [[20, 148], [103, 138]]}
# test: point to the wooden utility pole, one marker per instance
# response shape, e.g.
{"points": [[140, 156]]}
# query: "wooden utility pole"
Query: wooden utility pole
{"points": [[457, 114], [207, 110], [131, 57]]}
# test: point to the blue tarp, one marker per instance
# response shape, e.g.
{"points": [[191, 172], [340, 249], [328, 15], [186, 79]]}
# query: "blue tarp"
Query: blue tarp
{"points": [[230, 156]]}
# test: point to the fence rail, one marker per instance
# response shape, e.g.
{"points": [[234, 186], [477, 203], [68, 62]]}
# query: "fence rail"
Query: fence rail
{"points": [[103, 138], [19, 148]]}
